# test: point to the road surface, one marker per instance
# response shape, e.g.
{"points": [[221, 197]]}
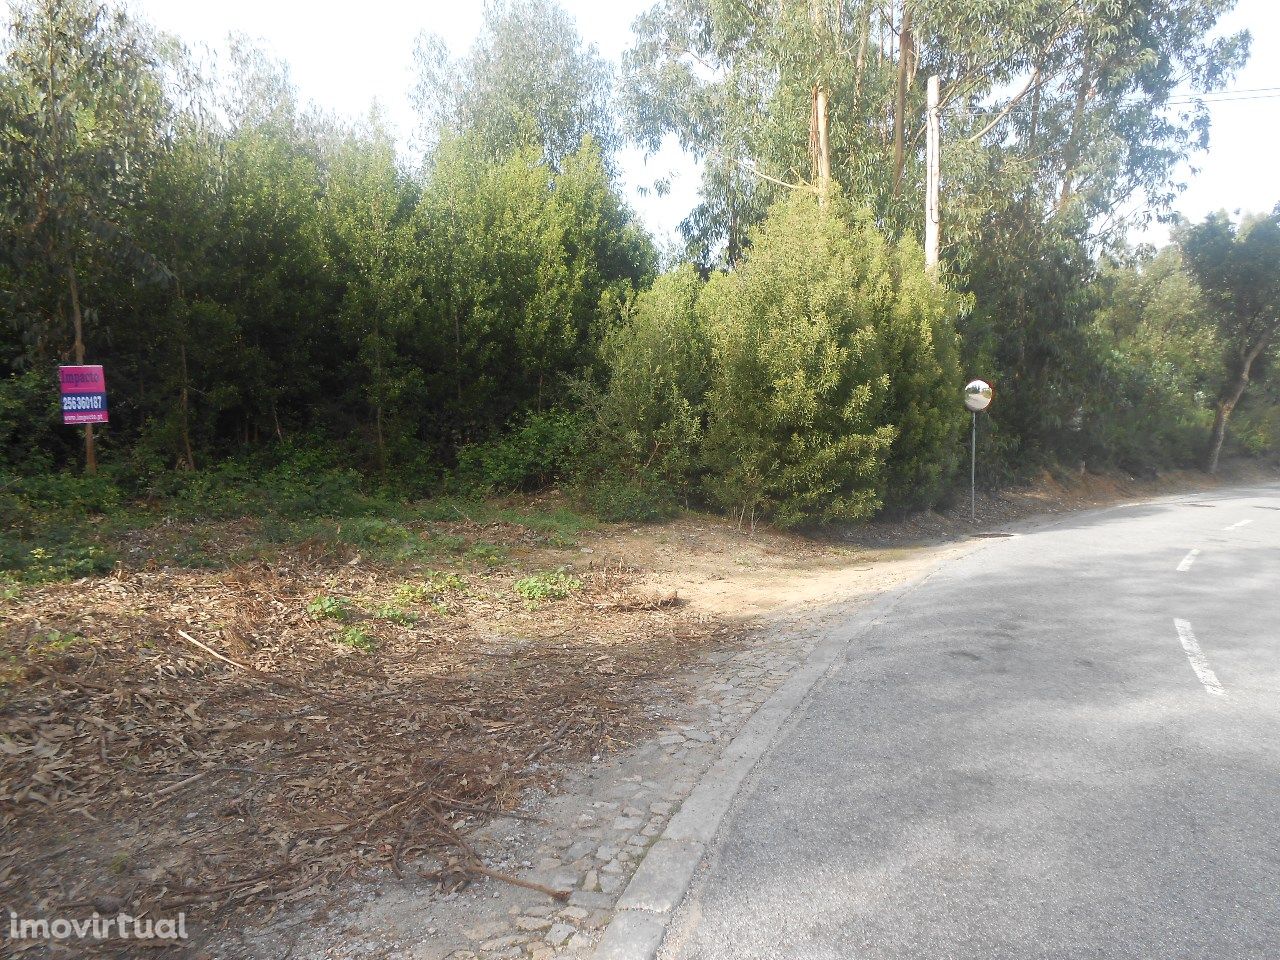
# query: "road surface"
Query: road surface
{"points": [[1066, 744]]}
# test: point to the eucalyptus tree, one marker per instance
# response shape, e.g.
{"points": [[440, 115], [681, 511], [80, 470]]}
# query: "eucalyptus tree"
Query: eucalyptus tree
{"points": [[1236, 267], [368, 203], [83, 115], [528, 81], [1068, 100]]}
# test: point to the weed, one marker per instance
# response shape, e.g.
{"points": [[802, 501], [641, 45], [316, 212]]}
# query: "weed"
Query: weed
{"points": [[396, 615], [326, 607], [547, 586], [65, 562], [410, 593], [53, 641], [10, 589], [357, 638], [490, 554], [442, 581]]}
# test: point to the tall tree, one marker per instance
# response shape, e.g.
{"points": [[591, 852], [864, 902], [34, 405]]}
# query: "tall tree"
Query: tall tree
{"points": [[1236, 266], [368, 203], [83, 113], [529, 81], [1069, 98]]}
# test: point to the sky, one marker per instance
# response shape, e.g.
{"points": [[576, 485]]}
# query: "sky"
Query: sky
{"points": [[344, 56]]}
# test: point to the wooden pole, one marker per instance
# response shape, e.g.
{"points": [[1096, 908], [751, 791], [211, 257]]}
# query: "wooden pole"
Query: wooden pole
{"points": [[77, 319], [932, 212]]}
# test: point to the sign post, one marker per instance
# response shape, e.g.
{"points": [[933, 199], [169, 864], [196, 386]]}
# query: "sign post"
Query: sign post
{"points": [[977, 397], [84, 398]]}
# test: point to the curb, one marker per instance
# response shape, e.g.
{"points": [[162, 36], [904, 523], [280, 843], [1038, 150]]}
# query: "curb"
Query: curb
{"points": [[663, 877]]}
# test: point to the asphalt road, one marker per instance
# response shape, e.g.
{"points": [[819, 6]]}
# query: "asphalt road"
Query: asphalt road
{"points": [[1062, 745]]}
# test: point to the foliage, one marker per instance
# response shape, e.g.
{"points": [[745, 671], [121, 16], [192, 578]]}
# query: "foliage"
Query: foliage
{"points": [[356, 638], [299, 327], [528, 81], [1235, 266], [802, 398], [327, 607], [1069, 99], [543, 449], [645, 427], [542, 587]]}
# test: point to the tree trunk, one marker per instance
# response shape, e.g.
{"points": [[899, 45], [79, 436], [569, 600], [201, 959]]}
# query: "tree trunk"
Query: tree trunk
{"points": [[77, 320], [1034, 131], [820, 144], [860, 65], [819, 141], [186, 415], [906, 46], [1230, 397], [933, 175], [1071, 156]]}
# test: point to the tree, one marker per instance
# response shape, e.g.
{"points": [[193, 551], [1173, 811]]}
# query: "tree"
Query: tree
{"points": [[517, 261], [1236, 267], [83, 113], [644, 428], [529, 81], [829, 344], [367, 212], [1071, 100]]}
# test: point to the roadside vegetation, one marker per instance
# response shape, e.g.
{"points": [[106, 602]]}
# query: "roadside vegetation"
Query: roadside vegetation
{"points": [[300, 324], [367, 404]]}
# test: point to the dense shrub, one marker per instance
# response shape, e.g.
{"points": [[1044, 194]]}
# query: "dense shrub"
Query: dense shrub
{"points": [[644, 427], [807, 334], [543, 449]]}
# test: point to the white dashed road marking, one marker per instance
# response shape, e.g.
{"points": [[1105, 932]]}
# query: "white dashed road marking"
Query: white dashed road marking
{"points": [[1187, 561], [1196, 658], [1238, 523]]}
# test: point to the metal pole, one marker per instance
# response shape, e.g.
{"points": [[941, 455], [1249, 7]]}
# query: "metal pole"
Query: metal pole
{"points": [[933, 153], [973, 469]]}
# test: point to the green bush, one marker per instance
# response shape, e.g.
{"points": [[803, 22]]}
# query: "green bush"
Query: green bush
{"points": [[541, 451], [614, 495], [73, 495], [31, 436], [659, 364], [921, 353], [796, 412]]}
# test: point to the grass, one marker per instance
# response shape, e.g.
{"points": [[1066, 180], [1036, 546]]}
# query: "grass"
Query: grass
{"points": [[65, 526]]}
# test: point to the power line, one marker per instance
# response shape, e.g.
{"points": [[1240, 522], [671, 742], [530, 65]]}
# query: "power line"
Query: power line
{"points": [[1228, 93]]}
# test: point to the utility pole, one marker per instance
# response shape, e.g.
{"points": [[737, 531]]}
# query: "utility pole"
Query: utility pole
{"points": [[933, 162]]}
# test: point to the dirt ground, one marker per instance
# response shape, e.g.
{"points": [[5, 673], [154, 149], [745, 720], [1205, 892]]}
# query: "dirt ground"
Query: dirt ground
{"points": [[241, 743]]}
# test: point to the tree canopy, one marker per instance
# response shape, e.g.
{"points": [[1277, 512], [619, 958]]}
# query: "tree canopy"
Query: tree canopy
{"points": [[264, 281]]}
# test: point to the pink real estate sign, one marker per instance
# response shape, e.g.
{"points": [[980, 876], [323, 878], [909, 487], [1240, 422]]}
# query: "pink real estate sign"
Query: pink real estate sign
{"points": [[84, 394]]}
